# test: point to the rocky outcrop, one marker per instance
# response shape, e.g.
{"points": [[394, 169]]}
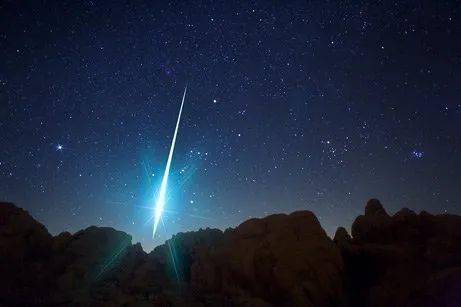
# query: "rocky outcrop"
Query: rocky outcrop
{"points": [[25, 252], [405, 259], [89, 256], [283, 260], [91, 267]]}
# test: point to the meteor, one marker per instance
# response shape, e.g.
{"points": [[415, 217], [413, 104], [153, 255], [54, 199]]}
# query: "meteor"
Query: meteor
{"points": [[160, 204]]}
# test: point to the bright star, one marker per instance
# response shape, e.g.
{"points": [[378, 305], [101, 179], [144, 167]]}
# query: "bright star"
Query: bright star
{"points": [[59, 147]]}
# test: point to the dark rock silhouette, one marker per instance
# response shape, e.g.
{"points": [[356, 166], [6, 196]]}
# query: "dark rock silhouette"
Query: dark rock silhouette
{"points": [[281, 260], [406, 259], [25, 251]]}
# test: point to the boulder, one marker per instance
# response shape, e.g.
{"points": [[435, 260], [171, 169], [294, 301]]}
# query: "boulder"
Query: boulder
{"points": [[390, 258], [91, 263], [25, 251], [280, 260], [374, 225]]}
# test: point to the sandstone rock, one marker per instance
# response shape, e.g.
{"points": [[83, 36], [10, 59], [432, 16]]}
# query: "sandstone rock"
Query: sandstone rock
{"points": [[374, 207], [281, 260], [443, 288], [21, 237], [92, 263], [179, 252], [374, 225], [407, 259], [391, 257], [25, 249], [342, 236]]}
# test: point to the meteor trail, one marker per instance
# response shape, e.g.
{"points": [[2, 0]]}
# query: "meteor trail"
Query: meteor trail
{"points": [[160, 204]]}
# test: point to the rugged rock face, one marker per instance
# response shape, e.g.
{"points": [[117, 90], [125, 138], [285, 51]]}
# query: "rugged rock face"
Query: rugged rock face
{"points": [[89, 256], [284, 260], [95, 266], [406, 259], [25, 250]]}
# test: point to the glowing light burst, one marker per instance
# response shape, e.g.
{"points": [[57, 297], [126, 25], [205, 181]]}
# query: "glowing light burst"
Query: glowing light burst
{"points": [[161, 200]]}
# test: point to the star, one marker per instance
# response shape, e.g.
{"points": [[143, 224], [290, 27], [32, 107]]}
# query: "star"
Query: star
{"points": [[297, 113], [417, 154]]}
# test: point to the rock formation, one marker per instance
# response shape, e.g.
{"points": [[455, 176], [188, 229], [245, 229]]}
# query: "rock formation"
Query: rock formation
{"points": [[283, 260], [406, 259], [401, 260]]}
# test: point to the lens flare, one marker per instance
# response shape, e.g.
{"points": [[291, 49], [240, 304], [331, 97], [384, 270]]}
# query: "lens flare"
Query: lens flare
{"points": [[161, 200]]}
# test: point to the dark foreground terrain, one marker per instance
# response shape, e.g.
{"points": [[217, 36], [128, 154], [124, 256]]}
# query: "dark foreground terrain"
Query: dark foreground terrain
{"points": [[407, 259]]}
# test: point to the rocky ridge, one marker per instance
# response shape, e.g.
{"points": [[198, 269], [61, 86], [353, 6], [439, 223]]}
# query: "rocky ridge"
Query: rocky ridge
{"points": [[406, 259]]}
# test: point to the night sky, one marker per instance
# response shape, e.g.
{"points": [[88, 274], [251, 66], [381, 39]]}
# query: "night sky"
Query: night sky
{"points": [[291, 105]]}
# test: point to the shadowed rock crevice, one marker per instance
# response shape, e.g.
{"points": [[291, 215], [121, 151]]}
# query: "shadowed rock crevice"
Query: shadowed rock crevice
{"points": [[405, 259]]}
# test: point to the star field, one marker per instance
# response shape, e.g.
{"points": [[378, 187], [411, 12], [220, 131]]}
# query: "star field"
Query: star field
{"points": [[292, 105]]}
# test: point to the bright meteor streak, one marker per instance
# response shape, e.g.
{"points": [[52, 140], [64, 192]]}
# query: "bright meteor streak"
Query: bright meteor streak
{"points": [[160, 204]]}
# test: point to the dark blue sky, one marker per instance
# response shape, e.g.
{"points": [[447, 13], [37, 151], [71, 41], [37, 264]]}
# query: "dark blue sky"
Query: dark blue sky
{"points": [[291, 105]]}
